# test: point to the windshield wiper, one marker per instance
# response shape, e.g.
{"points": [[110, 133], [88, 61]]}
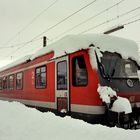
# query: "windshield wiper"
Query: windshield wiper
{"points": [[102, 69]]}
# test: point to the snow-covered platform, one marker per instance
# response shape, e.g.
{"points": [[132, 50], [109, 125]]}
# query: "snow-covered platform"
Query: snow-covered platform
{"points": [[18, 122]]}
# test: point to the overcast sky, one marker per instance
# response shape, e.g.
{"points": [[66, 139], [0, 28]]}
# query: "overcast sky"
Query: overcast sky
{"points": [[15, 16]]}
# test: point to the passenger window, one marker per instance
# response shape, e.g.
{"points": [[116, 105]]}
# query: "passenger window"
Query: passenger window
{"points": [[19, 80], [0, 84], [11, 82], [79, 71], [40, 77], [62, 75], [4, 84]]}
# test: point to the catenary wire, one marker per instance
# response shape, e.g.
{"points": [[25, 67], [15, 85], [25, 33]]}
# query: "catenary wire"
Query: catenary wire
{"points": [[131, 17], [59, 22], [90, 18], [20, 44], [132, 22], [64, 19], [31, 22], [112, 19], [96, 26], [23, 45]]}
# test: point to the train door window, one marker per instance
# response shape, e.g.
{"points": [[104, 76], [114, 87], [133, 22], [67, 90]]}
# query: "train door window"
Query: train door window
{"points": [[79, 71], [4, 83], [19, 80], [40, 77], [11, 82], [0, 84], [62, 75]]}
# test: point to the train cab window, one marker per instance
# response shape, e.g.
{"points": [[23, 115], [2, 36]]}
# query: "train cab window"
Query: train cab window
{"points": [[19, 80], [40, 77], [116, 67], [4, 82], [79, 71], [11, 82], [62, 75], [0, 84]]}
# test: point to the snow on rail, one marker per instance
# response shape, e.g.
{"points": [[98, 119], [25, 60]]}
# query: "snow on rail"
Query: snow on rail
{"points": [[18, 122], [72, 43]]}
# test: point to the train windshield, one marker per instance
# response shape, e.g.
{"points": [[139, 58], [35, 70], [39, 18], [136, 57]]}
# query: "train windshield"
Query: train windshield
{"points": [[115, 66]]}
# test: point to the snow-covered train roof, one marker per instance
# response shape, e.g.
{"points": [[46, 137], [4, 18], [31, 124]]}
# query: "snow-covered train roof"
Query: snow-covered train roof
{"points": [[72, 43]]}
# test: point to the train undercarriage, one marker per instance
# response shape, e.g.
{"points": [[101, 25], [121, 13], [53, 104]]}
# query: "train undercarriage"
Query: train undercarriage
{"points": [[122, 120]]}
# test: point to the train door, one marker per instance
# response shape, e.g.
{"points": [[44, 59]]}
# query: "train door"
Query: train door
{"points": [[62, 84]]}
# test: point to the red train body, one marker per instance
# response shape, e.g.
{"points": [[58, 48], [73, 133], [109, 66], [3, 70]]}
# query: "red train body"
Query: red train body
{"points": [[65, 84]]}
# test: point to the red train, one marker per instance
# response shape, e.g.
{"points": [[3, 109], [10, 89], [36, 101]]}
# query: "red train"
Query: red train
{"points": [[64, 76]]}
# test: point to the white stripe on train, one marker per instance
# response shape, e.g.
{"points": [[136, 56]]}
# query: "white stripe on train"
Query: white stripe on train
{"points": [[52, 105]]}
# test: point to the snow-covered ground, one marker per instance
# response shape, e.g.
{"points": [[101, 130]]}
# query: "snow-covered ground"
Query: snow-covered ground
{"points": [[18, 122]]}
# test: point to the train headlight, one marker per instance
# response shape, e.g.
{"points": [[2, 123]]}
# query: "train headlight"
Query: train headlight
{"points": [[130, 83]]}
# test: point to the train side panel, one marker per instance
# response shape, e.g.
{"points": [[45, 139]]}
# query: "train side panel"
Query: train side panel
{"points": [[29, 94]]}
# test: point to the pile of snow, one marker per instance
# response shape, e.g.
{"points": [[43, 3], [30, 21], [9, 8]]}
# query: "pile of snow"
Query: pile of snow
{"points": [[104, 42], [106, 93], [18, 122], [120, 104]]}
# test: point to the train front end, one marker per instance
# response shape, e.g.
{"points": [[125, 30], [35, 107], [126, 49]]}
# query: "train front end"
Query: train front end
{"points": [[122, 76], [119, 76]]}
